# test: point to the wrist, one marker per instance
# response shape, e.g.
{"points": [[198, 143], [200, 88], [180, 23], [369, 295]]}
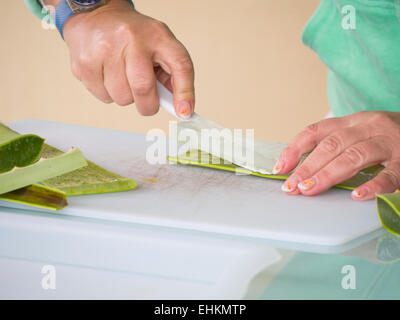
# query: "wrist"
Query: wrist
{"points": [[67, 12], [79, 20], [53, 3]]}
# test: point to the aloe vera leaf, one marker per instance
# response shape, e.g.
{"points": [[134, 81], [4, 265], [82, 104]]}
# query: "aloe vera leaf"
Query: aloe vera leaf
{"points": [[203, 159], [37, 196], [91, 179], [360, 178], [389, 211], [42, 169], [18, 150]]}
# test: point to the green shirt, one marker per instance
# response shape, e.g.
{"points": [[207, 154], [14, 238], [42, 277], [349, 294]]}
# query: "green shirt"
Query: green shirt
{"points": [[363, 56], [36, 8]]}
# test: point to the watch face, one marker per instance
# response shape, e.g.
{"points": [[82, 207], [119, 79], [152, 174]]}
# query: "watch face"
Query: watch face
{"points": [[86, 3]]}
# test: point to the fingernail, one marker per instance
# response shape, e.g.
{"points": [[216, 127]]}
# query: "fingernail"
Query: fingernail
{"points": [[184, 110], [278, 166], [290, 184], [359, 193], [307, 184], [287, 187]]}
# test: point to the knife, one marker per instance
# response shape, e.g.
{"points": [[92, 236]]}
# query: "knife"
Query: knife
{"points": [[167, 102], [265, 153]]}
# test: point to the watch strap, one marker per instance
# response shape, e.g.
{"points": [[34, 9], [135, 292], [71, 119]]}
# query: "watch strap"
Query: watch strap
{"points": [[62, 13]]}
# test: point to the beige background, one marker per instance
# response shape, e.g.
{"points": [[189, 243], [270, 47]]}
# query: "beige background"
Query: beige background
{"points": [[252, 71]]}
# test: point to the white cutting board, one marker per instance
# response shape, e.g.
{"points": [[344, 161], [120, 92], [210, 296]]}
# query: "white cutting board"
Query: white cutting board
{"points": [[203, 199]]}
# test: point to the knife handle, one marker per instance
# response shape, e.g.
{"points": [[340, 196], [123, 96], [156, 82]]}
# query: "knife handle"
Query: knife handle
{"points": [[167, 101]]}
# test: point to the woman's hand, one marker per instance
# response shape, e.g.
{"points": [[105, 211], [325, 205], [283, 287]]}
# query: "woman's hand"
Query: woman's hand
{"points": [[119, 53], [340, 147]]}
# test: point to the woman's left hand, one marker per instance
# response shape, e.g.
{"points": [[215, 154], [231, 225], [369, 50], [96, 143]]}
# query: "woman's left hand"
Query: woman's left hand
{"points": [[341, 147]]}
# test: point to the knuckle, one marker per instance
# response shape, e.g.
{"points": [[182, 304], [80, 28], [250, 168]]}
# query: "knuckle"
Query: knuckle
{"points": [[355, 155], [325, 178], [159, 26], [158, 31], [123, 99], [309, 134], [381, 117], [184, 91], [312, 128], [99, 94], [103, 46], [124, 29], [355, 118], [143, 86], [378, 184], [89, 86], [392, 176], [84, 59], [126, 32], [290, 150], [105, 98], [362, 113], [332, 144], [303, 172], [184, 64], [76, 70], [148, 111]]}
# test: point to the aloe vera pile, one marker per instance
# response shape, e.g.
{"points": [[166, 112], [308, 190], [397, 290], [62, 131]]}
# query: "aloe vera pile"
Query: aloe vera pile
{"points": [[36, 174]]}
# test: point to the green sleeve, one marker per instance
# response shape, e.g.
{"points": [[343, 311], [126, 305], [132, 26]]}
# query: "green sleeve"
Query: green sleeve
{"points": [[36, 8]]}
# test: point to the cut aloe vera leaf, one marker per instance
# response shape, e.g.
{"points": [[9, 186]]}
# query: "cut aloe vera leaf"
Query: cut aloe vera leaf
{"points": [[203, 159], [91, 179], [37, 196], [42, 169], [360, 178], [18, 150], [389, 211]]}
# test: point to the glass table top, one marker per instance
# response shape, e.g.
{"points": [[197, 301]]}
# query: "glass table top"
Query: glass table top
{"points": [[95, 259]]}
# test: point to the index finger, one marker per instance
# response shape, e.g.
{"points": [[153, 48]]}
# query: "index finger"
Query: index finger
{"points": [[306, 141]]}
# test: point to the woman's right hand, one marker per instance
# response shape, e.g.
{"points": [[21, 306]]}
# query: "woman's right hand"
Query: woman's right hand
{"points": [[118, 54]]}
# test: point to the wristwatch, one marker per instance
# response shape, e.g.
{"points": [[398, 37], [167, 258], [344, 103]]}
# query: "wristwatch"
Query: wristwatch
{"points": [[67, 8]]}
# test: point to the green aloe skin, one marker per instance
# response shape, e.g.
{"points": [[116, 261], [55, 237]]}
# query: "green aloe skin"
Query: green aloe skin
{"points": [[37, 196], [389, 211], [18, 150], [200, 158], [44, 168], [21, 165], [91, 179], [25, 160]]}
